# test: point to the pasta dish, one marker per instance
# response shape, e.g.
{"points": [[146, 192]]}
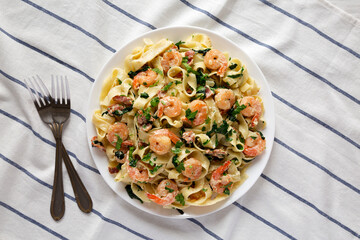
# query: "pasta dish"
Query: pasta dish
{"points": [[180, 122]]}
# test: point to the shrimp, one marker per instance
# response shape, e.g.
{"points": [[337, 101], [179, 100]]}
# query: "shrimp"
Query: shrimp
{"points": [[200, 117], [216, 60], [138, 173], [254, 145], [224, 99], [166, 192], [146, 78], [170, 106], [193, 169], [218, 180], [115, 130], [253, 109], [160, 141], [170, 59]]}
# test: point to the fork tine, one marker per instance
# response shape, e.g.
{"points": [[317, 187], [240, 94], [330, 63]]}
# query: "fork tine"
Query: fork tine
{"points": [[53, 88], [38, 99], [62, 91], [67, 90], [44, 99], [45, 89], [31, 93], [58, 90]]}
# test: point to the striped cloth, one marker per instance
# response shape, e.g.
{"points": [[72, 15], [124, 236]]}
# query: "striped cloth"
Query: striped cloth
{"points": [[309, 52]]}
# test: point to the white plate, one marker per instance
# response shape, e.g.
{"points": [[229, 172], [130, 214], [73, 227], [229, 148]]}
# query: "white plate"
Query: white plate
{"points": [[219, 42]]}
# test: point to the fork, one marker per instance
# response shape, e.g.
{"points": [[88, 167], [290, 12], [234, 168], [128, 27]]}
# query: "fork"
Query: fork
{"points": [[46, 110], [43, 104], [61, 112]]}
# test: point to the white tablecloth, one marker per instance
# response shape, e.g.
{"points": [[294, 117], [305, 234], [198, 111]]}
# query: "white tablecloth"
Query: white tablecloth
{"points": [[309, 52]]}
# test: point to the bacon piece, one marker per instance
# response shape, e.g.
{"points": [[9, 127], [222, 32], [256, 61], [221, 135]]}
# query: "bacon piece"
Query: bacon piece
{"points": [[208, 92], [124, 100], [190, 54], [96, 143], [113, 170], [218, 153], [189, 137], [113, 108], [144, 124]]}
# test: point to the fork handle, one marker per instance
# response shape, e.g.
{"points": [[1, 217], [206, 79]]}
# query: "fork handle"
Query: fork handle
{"points": [[82, 196], [57, 207]]}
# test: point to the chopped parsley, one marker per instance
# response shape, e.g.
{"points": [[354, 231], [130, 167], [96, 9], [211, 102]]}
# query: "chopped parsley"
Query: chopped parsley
{"points": [[122, 112], [179, 144], [167, 86], [179, 166], [131, 193], [144, 95], [237, 75], [132, 160], [240, 147], [118, 142], [106, 112], [119, 154], [155, 101], [169, 189], [146, 157], [253, 137], [226, 190], [202, 51], [157, 167], [180, 198], [233, 66], [261, 135], [187, 151], [190, 115], [158, 71], [206, 142], [179, 43], [235, 110], [119, 81], [132, 74], [177, 82]]}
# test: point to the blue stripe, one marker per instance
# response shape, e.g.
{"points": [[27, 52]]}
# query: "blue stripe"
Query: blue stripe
{"points": [[23, 85], [33, 221], [316, 120], [311, 205], [70, 24], [263, 220], [47, 55], [306, 24], [129, 15], [68, 196], [118, 224], [204, 228], [317, 165], [48, 141], [272, 49]]}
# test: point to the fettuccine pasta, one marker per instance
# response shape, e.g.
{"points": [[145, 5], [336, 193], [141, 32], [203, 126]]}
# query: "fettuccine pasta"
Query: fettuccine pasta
{"points": [[180, 122]]}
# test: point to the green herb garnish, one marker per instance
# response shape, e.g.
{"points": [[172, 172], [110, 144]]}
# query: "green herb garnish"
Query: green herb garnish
{"points": [[178, 44], [180, 198], [118, 142], [132, 74], [190, 115], [167, 86], [158, 71], [144, 95], [131, 193], [233, 66], [169, 189], [155, 101], [202, 51], [152, 171], [119, 154], [132, 160]]}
